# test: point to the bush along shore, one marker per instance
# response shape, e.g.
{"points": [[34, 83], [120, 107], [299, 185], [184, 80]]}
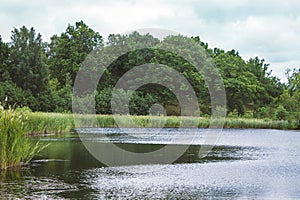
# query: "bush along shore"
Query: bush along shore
{"points": [[16, 148], [47, 123]]}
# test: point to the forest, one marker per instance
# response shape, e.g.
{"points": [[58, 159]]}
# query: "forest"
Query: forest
{"points": [[40, 75]]}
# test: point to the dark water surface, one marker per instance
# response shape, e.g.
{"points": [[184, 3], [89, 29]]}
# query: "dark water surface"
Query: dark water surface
{"points": [[244, 164]]}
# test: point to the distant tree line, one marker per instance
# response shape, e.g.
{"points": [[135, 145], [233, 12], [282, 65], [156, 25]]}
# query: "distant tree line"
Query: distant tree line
{"points": [[41, 75]]}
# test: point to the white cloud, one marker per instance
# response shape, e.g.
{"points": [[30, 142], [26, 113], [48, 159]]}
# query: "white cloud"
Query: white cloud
{"points": [[278, 38], [269, 29], [279, 68], [124, 16]]}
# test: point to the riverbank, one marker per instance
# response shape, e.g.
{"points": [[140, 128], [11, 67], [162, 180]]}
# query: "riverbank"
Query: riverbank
{"points": [[39, 122]]}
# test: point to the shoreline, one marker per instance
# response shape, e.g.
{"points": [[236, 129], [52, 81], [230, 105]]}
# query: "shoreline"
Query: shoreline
{"points": [[58, 123]]}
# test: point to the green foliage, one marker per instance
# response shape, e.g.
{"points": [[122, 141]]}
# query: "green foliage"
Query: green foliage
{"points": [[281, 113], [289, 100], [240, 84], [17, 96], [69, 50], [27, 67], [57, 122], [234, 114], [4, 53], [41, 75], [16, 147], [39, 122], [248, 114], [140, 103], [294, 80], [258, 123], [151, 93], [60, 97], [103, 98], [275, 112], [263, 112]]}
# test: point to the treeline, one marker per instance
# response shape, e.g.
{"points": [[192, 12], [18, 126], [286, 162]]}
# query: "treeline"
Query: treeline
{"points": [[41, 75]]}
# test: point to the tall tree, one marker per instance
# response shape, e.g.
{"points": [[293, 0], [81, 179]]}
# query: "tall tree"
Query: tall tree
{"points": [[27, 61], [291, 96], [268, 87], [69, 50], [293, 80], [4, 52], [240, 84]]}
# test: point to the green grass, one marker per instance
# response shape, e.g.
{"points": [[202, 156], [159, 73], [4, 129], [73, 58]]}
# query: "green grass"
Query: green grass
{"points": [[258, 123], [39, 122], [16, 148], [58, 123]]}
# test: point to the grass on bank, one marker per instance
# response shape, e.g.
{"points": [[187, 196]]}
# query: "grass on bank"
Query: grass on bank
{"points": [[39, 122], [57, 123], [16, 148]]}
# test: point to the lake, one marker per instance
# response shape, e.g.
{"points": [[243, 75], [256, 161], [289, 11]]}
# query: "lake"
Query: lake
{"points": [[243, 164]]}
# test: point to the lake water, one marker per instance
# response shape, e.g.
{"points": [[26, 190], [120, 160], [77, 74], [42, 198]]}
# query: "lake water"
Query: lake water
{"points": [[244, 164]]}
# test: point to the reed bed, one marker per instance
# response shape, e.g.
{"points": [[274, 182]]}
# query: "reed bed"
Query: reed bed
{"points": [[258, 123], [58, 123], [16, 148], [39, 122]]}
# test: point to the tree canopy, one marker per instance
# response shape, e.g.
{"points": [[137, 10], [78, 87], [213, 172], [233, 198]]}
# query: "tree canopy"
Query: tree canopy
{"points": [[40, 75]]}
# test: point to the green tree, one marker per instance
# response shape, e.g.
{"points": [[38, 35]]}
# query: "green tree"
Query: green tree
{"points": [[240, 84], [61, 97], [293, 80], [27, 61], [68, 51], [4, 52], [291, 96], [16, 96], [268, 87]]}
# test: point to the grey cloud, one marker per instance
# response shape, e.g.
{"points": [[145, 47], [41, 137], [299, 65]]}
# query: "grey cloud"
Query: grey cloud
{"points": [[273, 33]]}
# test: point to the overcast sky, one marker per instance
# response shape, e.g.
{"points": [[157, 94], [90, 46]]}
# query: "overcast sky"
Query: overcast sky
{"points": [[269, 29]]}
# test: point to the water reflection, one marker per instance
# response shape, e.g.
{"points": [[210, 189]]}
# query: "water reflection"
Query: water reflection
{"points": [[245, 164]]}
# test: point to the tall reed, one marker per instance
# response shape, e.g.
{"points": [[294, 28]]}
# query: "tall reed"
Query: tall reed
{"points": [[56, 122], [39, 122], [16, 148]]}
